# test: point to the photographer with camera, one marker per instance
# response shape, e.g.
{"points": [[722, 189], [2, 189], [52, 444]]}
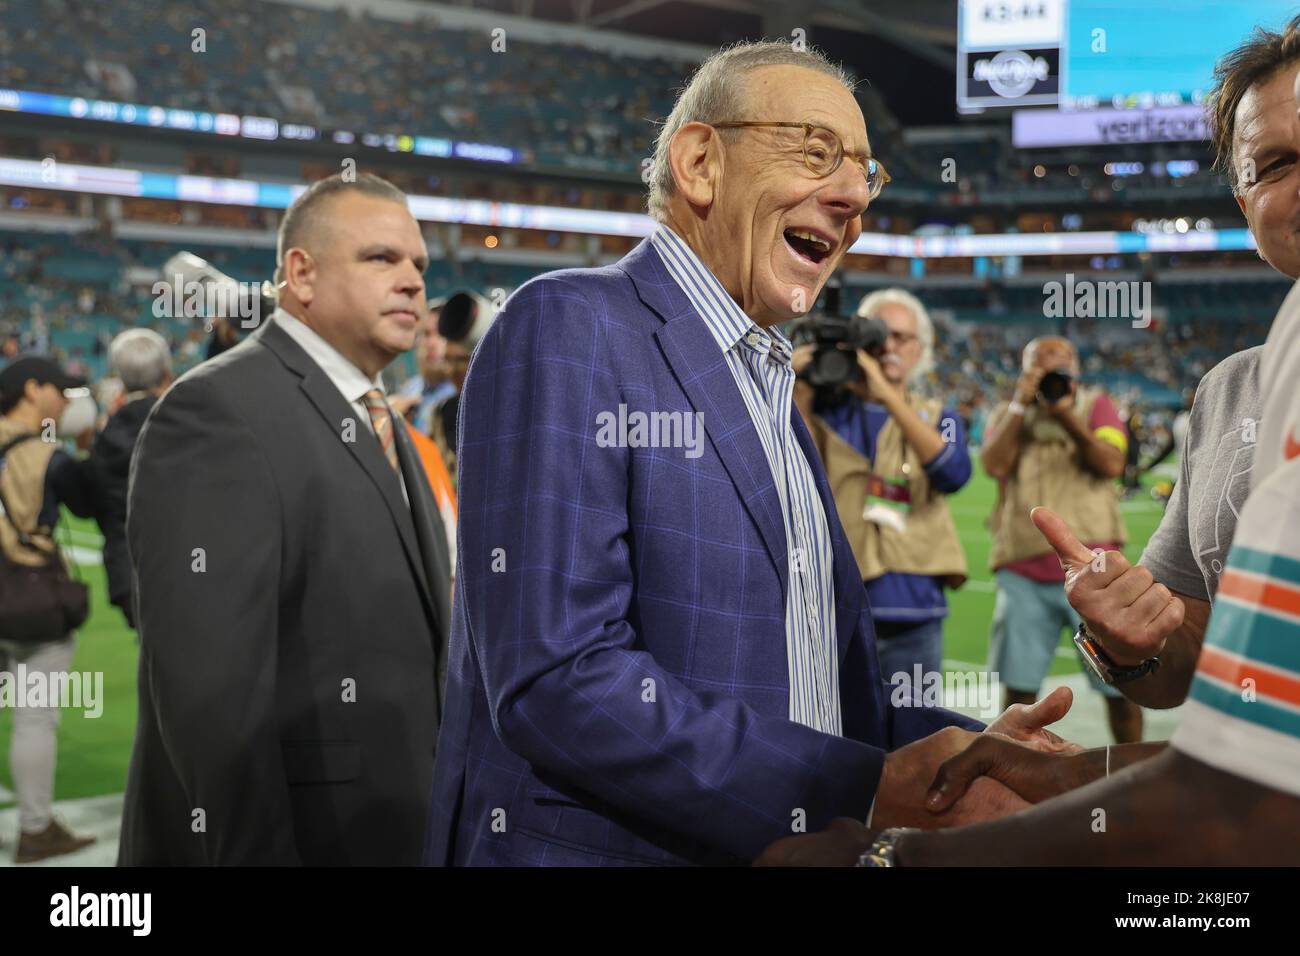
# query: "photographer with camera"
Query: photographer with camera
{"points": [[891, 456], [1062, 445]]}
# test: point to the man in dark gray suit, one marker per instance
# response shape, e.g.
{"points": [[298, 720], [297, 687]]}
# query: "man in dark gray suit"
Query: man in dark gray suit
{"points": [[292, 570]]}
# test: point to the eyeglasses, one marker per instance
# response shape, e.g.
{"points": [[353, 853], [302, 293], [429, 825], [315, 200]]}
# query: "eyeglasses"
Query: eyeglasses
{"points": [[823, 152]]}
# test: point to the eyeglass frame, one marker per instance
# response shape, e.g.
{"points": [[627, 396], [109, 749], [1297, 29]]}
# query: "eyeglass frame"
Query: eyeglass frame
{"points": [[807, 128]]}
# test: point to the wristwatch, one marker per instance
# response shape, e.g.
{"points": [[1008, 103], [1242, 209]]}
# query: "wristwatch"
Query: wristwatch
{"points": [[884, 852], [1106, 669]]}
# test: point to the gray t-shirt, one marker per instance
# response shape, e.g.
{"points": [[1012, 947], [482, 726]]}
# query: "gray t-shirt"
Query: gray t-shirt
{"points": [[1190, 548]]}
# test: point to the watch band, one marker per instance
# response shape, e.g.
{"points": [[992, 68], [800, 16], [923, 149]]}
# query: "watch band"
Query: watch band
{"points": [[884, 852], [1100, 663]]}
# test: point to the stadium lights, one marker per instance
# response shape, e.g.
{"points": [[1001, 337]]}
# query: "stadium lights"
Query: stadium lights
{"points": [[249, 127], [105, 181]]}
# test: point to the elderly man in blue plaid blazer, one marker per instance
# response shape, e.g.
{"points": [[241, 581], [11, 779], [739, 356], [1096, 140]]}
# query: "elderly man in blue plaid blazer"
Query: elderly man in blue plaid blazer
{"points": [[661, 649]]}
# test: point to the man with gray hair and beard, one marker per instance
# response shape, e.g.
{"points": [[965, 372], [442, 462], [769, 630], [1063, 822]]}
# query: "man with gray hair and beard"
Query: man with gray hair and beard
{"points": [[142, 361], [892, 457]]}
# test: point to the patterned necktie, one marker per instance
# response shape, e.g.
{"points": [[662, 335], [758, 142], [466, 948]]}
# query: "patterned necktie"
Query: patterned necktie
{"points": [[382, 419]]}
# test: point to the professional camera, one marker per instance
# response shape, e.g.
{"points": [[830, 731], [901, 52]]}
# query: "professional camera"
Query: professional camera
{"points": [[834, 364], [1055, 385], [229, 306]]}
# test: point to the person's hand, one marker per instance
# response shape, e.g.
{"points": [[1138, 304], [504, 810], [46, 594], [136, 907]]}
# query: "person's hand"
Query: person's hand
{"points": [[86, 439], [1031, 774], [1027, 723], [840, 844], [801, 357], [845, 840], [1027, 385], [876, 386], [908, 773], [1125, 609]]}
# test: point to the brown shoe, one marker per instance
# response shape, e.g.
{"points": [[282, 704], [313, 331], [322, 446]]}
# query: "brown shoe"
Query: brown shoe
{"points": [[54, 840]]}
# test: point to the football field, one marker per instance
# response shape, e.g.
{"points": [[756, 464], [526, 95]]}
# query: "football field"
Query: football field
{"points": [[94, 751]]}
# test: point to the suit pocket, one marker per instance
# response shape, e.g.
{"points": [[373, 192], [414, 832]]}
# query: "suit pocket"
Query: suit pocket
{"points": [[321, 761]]}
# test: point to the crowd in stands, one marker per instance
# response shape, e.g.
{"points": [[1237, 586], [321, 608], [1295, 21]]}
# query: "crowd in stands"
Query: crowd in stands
{"points": [[335, 69], [70, 294], [558, 105]]}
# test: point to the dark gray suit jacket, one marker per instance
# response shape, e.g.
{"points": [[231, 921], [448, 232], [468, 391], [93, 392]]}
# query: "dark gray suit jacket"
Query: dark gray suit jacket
{"points": [[293, 616]]}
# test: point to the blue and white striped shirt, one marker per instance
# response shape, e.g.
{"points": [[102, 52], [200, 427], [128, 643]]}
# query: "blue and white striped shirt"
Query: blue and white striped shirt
{"points": [[760, 362]]}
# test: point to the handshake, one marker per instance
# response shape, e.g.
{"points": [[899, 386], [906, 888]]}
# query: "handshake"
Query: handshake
{"points": [[955, 777], [941, 780]]}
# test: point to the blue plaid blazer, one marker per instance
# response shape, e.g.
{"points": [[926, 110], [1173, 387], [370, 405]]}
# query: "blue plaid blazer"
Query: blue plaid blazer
{"points": [[618, 684]]}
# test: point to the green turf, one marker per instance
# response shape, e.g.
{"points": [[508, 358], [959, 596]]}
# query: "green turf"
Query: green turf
{"points": [[966, 630], [94, 753]]}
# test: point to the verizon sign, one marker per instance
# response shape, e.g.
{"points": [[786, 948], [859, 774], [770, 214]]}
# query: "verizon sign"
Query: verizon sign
{"points": [[1174, 124]]}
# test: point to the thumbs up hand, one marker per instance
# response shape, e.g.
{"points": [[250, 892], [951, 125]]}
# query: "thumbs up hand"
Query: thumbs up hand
{"points": [[1125, 609]]}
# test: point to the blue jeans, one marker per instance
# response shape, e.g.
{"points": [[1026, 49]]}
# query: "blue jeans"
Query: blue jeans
{"points": [[1028, 617], [901, 645]]}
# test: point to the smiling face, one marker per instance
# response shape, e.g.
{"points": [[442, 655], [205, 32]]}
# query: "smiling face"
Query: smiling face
{"points": [[359, 280], [767, 227], [1268, 136]]}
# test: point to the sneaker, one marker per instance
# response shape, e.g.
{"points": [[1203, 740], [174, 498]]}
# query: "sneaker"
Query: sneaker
{"points": [[54, 840]]}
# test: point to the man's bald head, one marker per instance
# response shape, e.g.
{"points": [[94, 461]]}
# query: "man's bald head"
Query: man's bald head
{"points": [[306, 222], [1049, 352]]}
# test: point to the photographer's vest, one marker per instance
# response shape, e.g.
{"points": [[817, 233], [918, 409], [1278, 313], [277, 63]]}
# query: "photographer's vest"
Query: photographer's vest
{"points": [[22, 478], [1049, 471], [929, 544]]}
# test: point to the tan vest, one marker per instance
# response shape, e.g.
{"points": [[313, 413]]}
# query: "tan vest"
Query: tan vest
{"points": [[929, 545], [23, 482], [1050, 472]]}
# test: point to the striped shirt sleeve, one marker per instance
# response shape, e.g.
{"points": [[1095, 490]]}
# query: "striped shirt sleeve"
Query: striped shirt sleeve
{"points": [[1243, 713]]}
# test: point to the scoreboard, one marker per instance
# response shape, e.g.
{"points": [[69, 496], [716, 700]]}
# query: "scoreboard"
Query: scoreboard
{"points": [[1100, 54]]}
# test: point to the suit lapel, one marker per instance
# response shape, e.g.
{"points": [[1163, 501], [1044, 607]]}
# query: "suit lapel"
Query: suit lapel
{"points": [[702, 371], [364, 448]]}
